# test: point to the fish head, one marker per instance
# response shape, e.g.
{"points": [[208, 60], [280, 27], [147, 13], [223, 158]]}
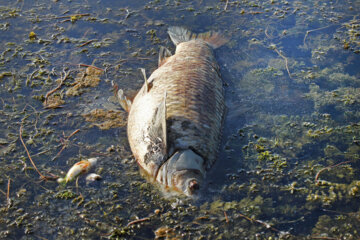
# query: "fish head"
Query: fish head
{"points": [[183, 172]]}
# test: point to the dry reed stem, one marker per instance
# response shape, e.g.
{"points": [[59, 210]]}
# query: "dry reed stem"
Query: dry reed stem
{"points": [[268, 226], [329, 238], [226, 217], [66, 74], [226, 5], [138, 221], [8, 191], [88, 42], [286, 61], [85, 65], [65, 143], [75, 15], [327, 168], [313, 30], [27, 152]]}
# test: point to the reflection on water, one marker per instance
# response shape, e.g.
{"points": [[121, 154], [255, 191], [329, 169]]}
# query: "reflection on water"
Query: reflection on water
{"points": [[289, 162]]}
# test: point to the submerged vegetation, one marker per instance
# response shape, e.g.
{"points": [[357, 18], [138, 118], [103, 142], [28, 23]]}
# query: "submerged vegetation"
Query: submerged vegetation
{"points": [[290, 159]]}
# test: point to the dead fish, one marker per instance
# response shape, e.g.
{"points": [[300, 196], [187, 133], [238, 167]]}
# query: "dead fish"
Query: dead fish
{"points": [[92, 177], [175, 120], [77, 169]]}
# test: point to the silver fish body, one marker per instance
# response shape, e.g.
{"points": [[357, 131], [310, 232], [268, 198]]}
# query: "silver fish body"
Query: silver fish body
{"points": [[175, 120]]}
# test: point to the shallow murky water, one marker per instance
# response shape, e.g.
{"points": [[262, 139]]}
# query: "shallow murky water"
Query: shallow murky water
{"points": [[289, 162]]}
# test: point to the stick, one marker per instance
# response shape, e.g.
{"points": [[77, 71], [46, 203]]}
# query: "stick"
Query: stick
{"points": [[58, 86], [37, 116], [329, 238], [138, 220], [309, 31], [286, 61], [77, 185], [27, 152], [8, 192], [85, 65], [88, 42], [266, 33], [227, 1], [64, 144], [32, 74], [326, 168], [226, 217], [75, 15], [73, 133], [42, 238], [268, 226]]}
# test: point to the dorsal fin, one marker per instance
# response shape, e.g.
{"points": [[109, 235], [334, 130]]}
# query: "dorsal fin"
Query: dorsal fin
{"points": [[164, 53], [123, 100], [146, 81], [180, 34]]}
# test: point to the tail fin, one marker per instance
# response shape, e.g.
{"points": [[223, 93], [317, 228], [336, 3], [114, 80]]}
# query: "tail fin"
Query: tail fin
{"points": [[180, 34]]}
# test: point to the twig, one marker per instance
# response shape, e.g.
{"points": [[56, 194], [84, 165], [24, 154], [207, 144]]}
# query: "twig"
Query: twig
{"points": [[66, 20], [73, 133], [327, 168], [88, 42], [36, 119], [27, 152], [3, 102], [142, 58], [8, 192], [266, 33], [75, 15], [227, 1], [329, 238], [42, 238], [246, 217], [313, 30], [226, 217], [77, 185], [286, 61], [85, 65], [66, 74], [32, 74], [268, 226], [128, 13], [138, 221], [65, 143]]}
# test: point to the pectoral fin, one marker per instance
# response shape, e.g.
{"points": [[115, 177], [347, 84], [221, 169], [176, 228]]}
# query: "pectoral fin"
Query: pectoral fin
{"points": [[157, 135], [145, 79], [123, 100], [164, 53], [158, 130]]}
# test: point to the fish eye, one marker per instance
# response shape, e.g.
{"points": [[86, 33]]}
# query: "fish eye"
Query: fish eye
{"points": [[193, 186]]}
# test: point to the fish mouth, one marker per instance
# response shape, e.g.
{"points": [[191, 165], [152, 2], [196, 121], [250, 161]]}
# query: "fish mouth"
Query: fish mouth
{"points": [[182, 172]]}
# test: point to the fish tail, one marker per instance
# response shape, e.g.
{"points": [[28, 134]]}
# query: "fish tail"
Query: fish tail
{"points": [[180, 34]]}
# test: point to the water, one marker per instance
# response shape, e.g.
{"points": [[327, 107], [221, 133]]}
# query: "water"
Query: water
{"points": [[289, 162]]}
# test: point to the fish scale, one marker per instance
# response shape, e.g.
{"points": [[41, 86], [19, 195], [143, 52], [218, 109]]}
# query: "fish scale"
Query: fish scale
{"points": [[200, 90]]}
